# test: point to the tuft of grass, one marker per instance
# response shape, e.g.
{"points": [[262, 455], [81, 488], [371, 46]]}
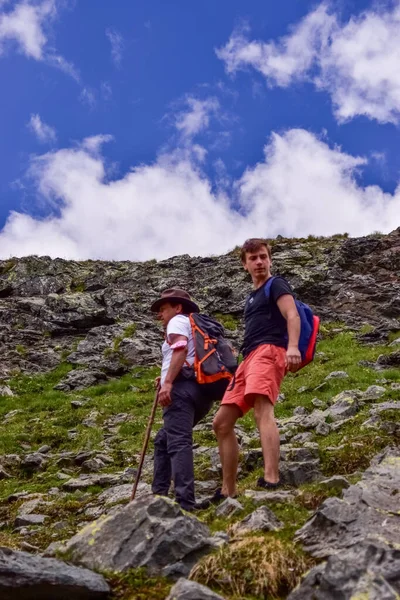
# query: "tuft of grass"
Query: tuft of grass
{"points": [[256, 566], [230, 322], [135, 584]]}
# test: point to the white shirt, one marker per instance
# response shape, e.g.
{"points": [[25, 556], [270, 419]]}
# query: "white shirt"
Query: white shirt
{"points": [[178, 325]]}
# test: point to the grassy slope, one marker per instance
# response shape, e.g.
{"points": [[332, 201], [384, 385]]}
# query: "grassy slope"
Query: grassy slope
{"points": [[264, 566]]}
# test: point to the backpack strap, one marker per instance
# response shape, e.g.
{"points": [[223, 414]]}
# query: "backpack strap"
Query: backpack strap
{"points": [[267, 286]]}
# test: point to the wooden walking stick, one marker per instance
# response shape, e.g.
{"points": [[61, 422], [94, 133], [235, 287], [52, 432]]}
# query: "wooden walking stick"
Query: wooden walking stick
{"points": [[145, 443]]}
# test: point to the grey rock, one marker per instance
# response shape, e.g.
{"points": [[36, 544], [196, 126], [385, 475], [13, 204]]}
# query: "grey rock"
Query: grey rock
{"points": [[33, 462], [25, 577], [122, 493], [262, 519], [337, 375], [30, 506], [389, 360], [220, 539], [3, 473], [80, 458], [395, 342], [228, 508], [342, 408], [314, 419], [300, 410], [301, 438], [378, 408], [369, 570], [253, 459], [297, 473], [302, 454], [85, 481], [77, 404], [301, 390], [80, 379], [374, 392], [277, 496], [322, 429], [337, 482], [6, 391], [11, 414], [25, 520], [93, 465], [151, 532], [44, 449], [368, 510], [185, 589], [395, 386], [318, 403]]}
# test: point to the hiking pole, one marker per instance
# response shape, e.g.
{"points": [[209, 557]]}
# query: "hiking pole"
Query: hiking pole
{"points": [[145, 443]]}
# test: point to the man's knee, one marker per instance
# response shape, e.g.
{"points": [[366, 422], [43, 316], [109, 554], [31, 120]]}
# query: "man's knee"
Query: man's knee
{"points": [[263, 409], [224, 421], [161, 438]]}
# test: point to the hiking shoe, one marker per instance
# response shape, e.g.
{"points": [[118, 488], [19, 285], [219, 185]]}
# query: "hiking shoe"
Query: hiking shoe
{"points": [[267, 485], [216, 498]]}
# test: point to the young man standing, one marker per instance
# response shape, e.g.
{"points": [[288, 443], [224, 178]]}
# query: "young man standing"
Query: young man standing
{"points": [[270, 348], [183, 400]]}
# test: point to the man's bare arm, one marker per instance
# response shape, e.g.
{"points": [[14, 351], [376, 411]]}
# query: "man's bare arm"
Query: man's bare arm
{"points": [[177, 361], [288, 310]]}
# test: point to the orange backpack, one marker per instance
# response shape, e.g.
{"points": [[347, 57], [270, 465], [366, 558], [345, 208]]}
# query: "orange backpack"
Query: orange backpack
{"points": [[214, 357]]}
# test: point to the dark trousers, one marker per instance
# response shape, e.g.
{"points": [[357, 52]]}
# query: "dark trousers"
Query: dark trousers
{"points": [[173, 445]]}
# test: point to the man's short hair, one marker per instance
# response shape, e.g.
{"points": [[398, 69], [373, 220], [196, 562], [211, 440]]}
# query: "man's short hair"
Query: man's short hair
{"points": [[254, 245]]}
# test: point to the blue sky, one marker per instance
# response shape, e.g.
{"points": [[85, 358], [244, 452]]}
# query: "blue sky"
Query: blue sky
{"points": [[132, 130]]}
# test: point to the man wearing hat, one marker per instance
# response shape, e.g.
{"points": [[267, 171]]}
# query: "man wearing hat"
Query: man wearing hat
{"points": [[183, 400]]}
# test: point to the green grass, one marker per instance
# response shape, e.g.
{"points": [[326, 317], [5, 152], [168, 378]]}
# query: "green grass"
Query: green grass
{"points": [[228, 321], [45, 416]]}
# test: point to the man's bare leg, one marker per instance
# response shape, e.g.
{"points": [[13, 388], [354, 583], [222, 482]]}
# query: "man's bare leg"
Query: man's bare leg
{"points": [[223, 424], [269, 435]]}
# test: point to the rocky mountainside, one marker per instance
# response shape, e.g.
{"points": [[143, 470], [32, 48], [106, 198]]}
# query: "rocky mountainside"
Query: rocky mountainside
{"points": [[95, 314], [78, 361]]}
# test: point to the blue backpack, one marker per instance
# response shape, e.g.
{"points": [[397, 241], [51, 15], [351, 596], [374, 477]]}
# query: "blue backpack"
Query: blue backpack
{"points": [[309, 328]]}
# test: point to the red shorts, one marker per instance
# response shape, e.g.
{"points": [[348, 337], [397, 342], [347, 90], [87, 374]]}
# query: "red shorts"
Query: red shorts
{"points": [[261, 372]]}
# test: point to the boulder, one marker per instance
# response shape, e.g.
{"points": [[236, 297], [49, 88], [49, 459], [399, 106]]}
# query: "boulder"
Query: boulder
{"points": [[277, 496], [297, 473], [335, 483], [389, 360], [80, 379], [122, 493], [262, 519], [369, 570], [85, 481], [151, 532], [6, 391], [27, 577], [185, 589], [368, 511], [337, 375], [25, 520], [228, 508]]}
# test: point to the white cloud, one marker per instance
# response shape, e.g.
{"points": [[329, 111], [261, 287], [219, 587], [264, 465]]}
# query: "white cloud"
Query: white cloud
{"points": [[302, 187], [26, 26], [356, 62], [196, 117], [88, 97], [43, 132], [117, 45], [106, 90], [291, 57]]}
